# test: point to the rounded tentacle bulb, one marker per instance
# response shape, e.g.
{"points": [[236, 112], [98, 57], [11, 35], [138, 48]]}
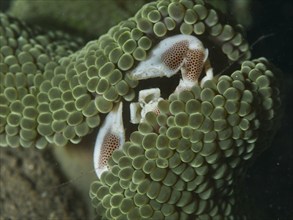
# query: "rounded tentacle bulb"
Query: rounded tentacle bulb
{"points": [[60, 94]]}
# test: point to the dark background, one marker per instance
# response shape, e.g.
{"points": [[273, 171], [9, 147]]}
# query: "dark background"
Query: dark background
{"points": [[271, 177]]}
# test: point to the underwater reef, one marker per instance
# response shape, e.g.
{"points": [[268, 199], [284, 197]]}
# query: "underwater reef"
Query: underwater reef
{"points": [[179, 108]]}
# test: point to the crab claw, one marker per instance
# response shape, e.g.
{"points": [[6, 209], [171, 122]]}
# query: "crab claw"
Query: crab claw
{"points": [[111, 136], [179, 53]]}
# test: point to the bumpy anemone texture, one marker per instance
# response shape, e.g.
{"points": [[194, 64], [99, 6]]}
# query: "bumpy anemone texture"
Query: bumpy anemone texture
{"points": [[185, 162], [28, 58], [65, 96]]}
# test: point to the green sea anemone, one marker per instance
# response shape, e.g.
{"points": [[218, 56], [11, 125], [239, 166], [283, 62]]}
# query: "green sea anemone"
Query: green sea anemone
{"points": [[192, 145], [187, 160]]}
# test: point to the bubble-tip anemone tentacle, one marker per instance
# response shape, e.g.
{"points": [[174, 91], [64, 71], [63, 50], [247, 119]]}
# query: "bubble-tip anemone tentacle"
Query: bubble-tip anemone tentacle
{"points": [[33, 107], [70, 90]]}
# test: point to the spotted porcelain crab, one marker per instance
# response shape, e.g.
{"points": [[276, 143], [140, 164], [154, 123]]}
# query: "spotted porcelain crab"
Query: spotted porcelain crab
{"points": [[183, 54]]}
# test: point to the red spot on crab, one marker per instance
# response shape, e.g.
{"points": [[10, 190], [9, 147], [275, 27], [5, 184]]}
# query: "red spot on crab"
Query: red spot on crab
{"points": [[193, 64], [173, 57], [180, 56], [111, 142]]}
